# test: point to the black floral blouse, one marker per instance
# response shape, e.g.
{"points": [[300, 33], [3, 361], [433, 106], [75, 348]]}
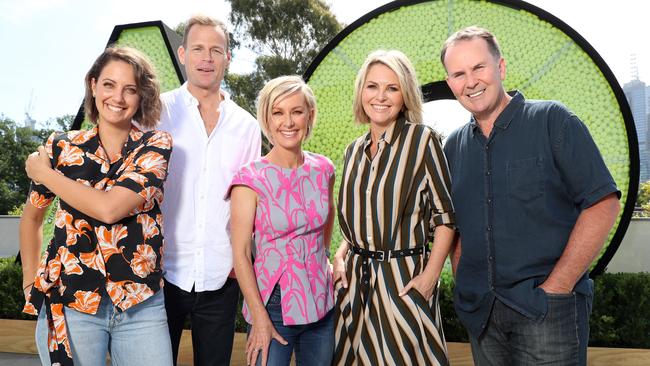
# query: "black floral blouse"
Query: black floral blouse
{"points": [[88, 258]]}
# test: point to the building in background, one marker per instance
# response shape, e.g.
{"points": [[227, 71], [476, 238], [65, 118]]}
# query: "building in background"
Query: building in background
{"points": [[638, 96]]}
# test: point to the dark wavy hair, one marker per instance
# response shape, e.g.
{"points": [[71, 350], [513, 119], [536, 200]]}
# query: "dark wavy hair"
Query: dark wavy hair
{"points": [[148, 113]]}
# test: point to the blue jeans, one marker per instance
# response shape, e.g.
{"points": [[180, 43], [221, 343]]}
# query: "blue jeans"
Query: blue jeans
{"points": [[314, 342], [135, 337], [560, 338]]}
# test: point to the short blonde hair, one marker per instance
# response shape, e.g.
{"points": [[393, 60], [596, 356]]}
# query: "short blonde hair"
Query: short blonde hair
{"points": [[276, 90], [408, 83]]}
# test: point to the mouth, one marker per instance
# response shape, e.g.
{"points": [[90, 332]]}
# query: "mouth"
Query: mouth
{"points": [[205, 69], [474, 95], [114, 108], [289, 134], [379, 107]]}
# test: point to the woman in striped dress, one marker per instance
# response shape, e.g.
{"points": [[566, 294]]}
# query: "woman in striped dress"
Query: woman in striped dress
{"points": [[394, 197]]}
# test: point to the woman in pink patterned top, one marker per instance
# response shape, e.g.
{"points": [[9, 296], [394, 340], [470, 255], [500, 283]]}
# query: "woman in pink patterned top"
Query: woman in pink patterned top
{"points": [[282, 216]]}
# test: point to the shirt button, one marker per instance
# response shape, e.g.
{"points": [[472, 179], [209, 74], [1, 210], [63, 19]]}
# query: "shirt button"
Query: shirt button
{"points": [[369, 240], [492, 288], [489, 172], [489, 200], [491, 258], [368, 192], [487, 147], [489, 228]]}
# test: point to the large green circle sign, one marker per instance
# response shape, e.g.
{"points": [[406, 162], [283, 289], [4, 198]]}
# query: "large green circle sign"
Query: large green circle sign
{"points": [[546, 60]]}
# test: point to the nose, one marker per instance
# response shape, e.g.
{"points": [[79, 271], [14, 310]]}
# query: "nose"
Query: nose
{"points": [[471, 81]]}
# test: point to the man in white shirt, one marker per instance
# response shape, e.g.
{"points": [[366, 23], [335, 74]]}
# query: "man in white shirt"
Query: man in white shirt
{"points": [[213, 137]]}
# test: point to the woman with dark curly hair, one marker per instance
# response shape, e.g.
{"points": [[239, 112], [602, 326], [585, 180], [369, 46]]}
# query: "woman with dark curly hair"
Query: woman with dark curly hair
{"points": [[97, 287]]}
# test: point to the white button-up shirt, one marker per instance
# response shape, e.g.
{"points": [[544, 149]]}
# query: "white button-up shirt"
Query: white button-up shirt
{"points": [[197, 248]]}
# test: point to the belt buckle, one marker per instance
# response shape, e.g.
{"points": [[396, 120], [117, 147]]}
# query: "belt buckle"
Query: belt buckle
{"points": [[385, 255]]}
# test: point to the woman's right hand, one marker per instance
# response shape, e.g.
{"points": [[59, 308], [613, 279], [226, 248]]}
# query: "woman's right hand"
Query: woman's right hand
{"points": [[338, 269], [259, 339]]}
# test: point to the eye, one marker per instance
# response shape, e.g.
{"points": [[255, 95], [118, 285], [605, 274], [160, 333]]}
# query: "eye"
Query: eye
{"points": [[107, 84], [132, 91], [217, 51], [393, 88], [276, 113], [371, 86]]}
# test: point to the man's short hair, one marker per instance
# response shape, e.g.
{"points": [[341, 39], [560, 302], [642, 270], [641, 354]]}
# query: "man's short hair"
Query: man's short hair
{"points": [[469, 33], [209, 21]]}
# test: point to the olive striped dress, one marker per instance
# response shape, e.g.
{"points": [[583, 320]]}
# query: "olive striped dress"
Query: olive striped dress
{"points": [[391, 202]]}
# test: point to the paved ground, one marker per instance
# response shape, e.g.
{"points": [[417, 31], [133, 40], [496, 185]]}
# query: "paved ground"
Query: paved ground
{"points": [[18, 359]]}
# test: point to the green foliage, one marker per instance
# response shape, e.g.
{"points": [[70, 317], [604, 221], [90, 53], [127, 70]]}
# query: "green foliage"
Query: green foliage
{"points": [[11, 294], [287, 34], [643, 200], [15, 143], [621, 311]]}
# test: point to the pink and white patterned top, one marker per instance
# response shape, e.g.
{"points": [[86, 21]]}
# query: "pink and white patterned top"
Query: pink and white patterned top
{"points": [[289, 233]]}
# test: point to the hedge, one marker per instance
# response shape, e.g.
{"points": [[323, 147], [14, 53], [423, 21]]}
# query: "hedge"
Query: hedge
{"points": [[620, 316]]}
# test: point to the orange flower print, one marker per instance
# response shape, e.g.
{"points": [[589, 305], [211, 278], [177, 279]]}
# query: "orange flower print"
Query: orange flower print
{"points": [[79, 228], [149, 228], [69, 262], [60, 335], [103, 162], [79, 137], [101, 184], [48, 144], [136, 177], [94, 261], [135, 294], [70, 155], [144, 261], [39, 201], [115, 290], [53, 270], [108, 239], [29, 309], [62, 218], [59, 322], [161, 140], [153, 162], [150, 195], [135, 134], [86, 301]]}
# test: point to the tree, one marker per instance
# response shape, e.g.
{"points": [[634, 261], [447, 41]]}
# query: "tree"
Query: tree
{"points": [[15, 143], [643, 199], [287, 35]]}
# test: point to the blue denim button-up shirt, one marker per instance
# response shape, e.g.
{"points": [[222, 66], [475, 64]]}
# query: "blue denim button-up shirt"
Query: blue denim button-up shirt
{"points": [[517, 195]]}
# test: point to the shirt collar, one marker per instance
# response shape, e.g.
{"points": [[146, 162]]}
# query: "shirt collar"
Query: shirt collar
{"points": [[190, 100], [508, 113], [391, 133]]}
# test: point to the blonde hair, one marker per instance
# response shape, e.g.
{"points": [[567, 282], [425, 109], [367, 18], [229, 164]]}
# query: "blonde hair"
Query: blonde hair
{"points": [[408, 83], [276, 90]]}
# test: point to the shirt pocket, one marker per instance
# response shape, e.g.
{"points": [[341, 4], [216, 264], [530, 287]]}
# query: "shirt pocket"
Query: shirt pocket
{"points": [[525, 179]]}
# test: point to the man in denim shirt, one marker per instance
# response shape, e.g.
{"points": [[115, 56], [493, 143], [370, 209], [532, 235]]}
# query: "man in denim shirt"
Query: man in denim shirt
{"points": [[534, 204]]}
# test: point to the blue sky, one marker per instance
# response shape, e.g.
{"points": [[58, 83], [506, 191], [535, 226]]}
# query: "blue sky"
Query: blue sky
{"points": [[49, 44]]}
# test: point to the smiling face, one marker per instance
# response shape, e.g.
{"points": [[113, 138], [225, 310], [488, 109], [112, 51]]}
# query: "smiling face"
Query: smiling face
{"points": [[381, 96], [476, 77], [116, 93], [206, 57], [289, 122]]}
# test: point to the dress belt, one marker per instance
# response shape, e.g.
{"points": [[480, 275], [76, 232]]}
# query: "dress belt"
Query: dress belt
{"points": [[385, 255], [379, 256]]}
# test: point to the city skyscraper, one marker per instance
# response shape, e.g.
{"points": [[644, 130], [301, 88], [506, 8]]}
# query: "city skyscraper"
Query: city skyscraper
{"points": [[636, 92]]}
